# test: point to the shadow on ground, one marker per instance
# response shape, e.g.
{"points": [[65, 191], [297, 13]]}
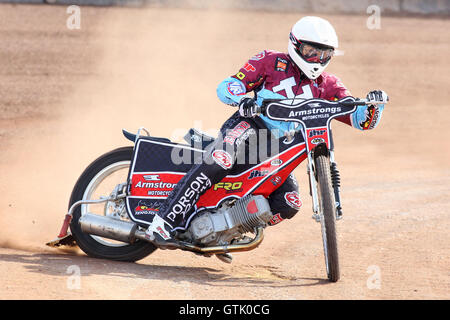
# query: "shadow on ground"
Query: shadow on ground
{"points": [[250, 276]]}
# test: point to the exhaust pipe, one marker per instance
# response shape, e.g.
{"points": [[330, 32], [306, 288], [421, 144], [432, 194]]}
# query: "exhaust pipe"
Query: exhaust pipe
{"points": [[128, 232], [108, 228]]}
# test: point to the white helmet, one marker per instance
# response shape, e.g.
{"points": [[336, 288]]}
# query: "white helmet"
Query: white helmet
{"points": [[311, 45]]}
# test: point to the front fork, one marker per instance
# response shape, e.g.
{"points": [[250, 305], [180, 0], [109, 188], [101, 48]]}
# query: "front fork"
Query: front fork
{"points": [[335, 179], [336, 182]]}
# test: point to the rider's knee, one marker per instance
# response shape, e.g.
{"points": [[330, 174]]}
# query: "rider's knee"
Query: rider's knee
{"points": [[285, 208]]}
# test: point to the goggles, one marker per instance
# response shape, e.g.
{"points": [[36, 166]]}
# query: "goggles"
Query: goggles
{"points": [[311, 52]]}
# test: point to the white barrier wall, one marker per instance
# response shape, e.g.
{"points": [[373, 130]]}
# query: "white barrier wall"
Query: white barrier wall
{"points": [[435, 7]]}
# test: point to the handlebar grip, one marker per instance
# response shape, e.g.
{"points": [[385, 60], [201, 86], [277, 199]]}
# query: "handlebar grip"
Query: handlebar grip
{"points": [[353, 103]]}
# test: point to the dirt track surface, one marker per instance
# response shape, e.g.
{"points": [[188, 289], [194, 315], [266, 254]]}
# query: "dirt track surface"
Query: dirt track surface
{"points": [[66, 94]]}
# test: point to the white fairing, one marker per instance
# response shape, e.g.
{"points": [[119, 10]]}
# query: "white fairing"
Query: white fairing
{"points": [[317, 30]]}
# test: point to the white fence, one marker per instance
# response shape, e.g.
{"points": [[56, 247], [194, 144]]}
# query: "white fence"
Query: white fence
{"points": [[425, 7]]}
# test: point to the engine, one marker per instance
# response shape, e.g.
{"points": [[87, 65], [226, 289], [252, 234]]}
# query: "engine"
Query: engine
{"points": [[230, 221]]}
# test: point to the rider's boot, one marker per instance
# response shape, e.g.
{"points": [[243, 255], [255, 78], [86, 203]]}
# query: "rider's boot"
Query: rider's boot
{"points": [[225, 257], [160, 233]]}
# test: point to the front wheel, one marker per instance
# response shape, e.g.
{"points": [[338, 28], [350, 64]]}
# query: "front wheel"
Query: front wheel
{"points": [[99, 179], [327, 213]]}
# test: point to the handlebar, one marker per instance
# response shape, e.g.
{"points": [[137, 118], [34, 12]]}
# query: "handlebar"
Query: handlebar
{"points": [[359, 102]]}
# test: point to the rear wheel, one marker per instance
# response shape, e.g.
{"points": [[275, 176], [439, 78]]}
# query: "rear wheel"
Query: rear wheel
{"points": [[99, 180], [327, 213]]}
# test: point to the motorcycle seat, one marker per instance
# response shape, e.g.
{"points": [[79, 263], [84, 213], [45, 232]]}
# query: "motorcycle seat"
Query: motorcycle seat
{"points": [[197, 139], [132, 137]]}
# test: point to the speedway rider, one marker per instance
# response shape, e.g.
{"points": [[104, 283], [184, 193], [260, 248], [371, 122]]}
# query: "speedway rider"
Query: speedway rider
{"points": [[269, 74]]}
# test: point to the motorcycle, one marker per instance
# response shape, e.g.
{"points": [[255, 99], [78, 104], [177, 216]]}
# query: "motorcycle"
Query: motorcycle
{"points": [[114, 198]]}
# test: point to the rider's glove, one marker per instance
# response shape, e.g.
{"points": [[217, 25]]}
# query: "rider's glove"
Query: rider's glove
{"points": [[377, 96], [367, 117], [248, 108]]}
